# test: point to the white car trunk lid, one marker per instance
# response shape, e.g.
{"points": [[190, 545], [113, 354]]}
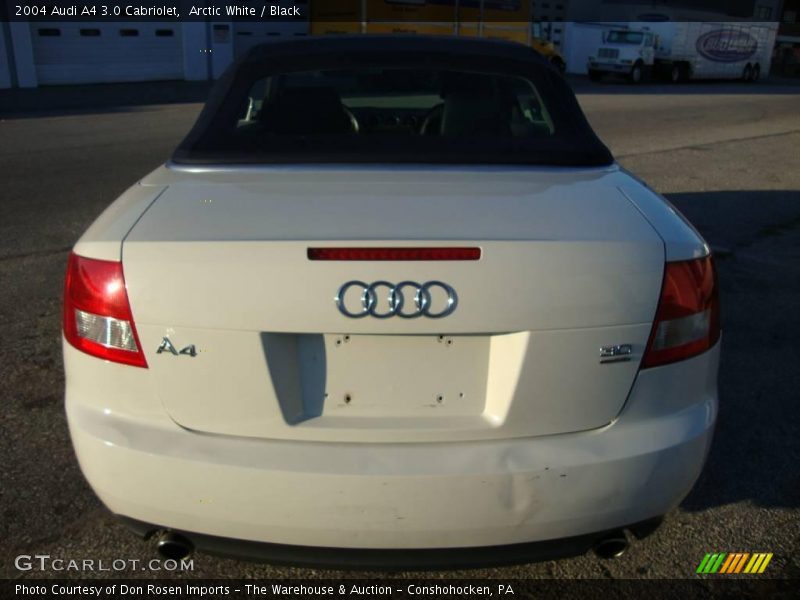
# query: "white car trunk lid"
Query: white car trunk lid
{"points": [[220, 263]]}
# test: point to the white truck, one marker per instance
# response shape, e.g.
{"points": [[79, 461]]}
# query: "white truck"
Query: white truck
{"points": [[682, 50]]}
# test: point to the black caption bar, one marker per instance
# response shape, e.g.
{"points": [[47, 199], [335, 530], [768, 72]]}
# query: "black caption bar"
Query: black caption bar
{"points": [[385, 589], [378, 11], [157, 10]]}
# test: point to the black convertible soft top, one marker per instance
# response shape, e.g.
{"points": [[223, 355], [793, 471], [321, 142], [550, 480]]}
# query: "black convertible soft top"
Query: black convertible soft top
{"points": [[574, 143]]}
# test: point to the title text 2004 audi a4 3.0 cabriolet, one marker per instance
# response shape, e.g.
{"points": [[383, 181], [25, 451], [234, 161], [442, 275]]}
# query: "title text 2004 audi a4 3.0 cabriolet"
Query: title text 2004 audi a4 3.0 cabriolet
{"points": [[391, 302]]}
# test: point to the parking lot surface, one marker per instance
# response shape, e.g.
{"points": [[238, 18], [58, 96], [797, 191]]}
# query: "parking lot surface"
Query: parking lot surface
{"points": [[727, 155]]}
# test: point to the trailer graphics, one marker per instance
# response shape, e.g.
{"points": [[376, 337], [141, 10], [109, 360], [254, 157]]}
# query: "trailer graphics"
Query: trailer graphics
{"points": [[727, 46]]}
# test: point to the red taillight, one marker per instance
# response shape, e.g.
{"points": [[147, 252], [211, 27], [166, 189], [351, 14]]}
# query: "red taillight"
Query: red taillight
{"points": [[687, 318], [97, 315], [394, 253]]}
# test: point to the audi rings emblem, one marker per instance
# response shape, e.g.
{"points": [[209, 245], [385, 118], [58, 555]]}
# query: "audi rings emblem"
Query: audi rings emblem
{"points": [[407, 299]]}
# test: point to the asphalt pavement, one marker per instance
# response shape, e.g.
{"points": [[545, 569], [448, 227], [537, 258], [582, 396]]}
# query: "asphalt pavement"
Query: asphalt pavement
{"points": [[727, 155]]}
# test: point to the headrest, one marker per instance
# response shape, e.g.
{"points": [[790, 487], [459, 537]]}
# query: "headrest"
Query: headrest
{"points": [[307, 111], [475, 113]]}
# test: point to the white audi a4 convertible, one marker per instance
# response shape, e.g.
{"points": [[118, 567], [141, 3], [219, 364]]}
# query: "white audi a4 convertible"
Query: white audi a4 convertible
{"points": [[391, 303]]}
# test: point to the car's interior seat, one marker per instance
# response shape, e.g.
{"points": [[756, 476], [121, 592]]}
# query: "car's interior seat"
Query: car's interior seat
{"points": [[308, 111], [475, 112], [432, 122]]}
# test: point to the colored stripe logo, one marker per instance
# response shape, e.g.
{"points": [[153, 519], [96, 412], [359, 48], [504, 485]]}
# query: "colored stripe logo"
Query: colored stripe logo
{"points": [[734, 562]]}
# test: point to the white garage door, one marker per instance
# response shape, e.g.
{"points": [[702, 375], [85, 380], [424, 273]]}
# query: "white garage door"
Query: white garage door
{"points": [[103, 52], [247, 34]]}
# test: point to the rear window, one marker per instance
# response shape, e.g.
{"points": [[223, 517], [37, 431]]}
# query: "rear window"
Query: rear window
{"points": [[396, 102], [392, 113]]}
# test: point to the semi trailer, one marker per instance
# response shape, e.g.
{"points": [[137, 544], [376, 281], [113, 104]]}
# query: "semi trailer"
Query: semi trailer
{"points": [[681, 50]]}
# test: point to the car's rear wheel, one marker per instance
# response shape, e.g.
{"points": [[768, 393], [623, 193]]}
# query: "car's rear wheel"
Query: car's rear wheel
{"points": [[756, 72], [595, 75], [747, 73]]}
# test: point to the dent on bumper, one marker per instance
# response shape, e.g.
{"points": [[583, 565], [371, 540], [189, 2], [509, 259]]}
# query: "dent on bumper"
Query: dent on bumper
{"points": [[394, 559], [409, 495]]}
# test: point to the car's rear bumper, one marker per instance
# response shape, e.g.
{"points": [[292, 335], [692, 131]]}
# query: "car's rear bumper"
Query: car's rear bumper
{"points": [[399, 496], [394, 559]]}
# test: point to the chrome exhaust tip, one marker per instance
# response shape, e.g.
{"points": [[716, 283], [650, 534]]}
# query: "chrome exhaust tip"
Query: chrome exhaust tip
{"points": [[173, 546], [612, 545]]}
